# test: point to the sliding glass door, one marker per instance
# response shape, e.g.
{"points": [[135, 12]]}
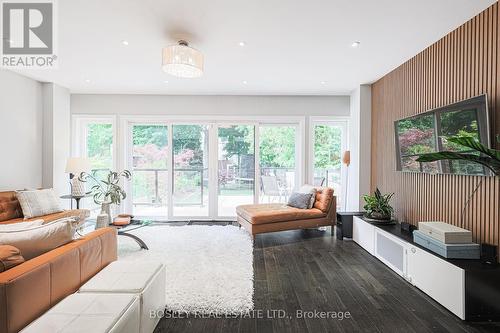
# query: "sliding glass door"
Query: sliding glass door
{"points": [[190, 170], [186, 170], [235, 168], [149, 170], [277, 161]]}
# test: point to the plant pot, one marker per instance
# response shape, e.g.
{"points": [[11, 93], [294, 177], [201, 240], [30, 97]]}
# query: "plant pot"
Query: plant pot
{"points": [[378, 216], [106, 209]]}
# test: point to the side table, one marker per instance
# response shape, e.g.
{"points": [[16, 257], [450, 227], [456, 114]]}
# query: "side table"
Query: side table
{"points": [[344, 224], [77, 199]]}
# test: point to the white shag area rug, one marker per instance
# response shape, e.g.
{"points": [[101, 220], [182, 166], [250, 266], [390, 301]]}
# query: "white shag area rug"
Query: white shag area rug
{"points": [[209, 268]]}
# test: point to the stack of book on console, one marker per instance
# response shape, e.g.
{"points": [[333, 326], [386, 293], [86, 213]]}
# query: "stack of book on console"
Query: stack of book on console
{"points": [[446, 240]]}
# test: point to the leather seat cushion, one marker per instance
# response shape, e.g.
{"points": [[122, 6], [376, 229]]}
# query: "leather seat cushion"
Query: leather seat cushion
{"points": [[90, 313], [271, 213]]}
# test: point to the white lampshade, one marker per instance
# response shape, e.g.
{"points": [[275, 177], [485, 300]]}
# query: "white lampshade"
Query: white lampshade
{"points": [[76, 165], [182, 61]]}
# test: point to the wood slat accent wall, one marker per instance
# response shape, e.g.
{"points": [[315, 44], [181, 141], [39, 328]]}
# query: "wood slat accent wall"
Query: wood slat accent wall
{"points": [[461, 65]]}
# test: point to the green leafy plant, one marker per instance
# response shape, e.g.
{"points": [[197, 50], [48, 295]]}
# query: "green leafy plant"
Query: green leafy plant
{"points": [[377, 206], [107, 190], [487, 157]]}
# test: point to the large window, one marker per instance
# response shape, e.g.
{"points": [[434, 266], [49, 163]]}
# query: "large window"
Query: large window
{"points": [[190, 170], [236, 167], [329, 143], [95, 138], [204, 169], [149, 170], [99, 147], [277, 162]]}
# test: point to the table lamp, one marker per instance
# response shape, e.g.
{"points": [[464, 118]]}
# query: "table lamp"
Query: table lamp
{"points": [[75, 166]]}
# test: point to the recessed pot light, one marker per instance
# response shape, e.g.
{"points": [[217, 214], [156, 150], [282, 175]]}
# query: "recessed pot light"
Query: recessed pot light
{"points": [[165, 81], [242, 44], [87, 81], [355, 44], [244, 82], [323, 82], [125, 42]]}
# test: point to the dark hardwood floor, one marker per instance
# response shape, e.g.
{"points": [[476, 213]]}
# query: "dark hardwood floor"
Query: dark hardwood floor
{"points": [[309, 270]]}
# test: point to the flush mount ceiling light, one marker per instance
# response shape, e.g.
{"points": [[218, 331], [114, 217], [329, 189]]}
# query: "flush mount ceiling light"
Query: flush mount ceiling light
{"points": [[355, 44], [182, 61]]}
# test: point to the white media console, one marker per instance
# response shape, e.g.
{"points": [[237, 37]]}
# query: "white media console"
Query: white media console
{"points": [[452, 283]]}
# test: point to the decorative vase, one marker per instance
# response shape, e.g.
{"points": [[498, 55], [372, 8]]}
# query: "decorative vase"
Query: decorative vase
{"points": [[102, 221], [106, 209]]}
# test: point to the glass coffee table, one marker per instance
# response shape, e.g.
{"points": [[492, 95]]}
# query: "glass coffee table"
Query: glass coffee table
{"points": [[124, 230]]}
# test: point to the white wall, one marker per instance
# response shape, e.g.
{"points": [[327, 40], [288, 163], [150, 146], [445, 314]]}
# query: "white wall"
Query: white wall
{"points": [[210, 105], [360, 146], [56, 137], [20, 132]]}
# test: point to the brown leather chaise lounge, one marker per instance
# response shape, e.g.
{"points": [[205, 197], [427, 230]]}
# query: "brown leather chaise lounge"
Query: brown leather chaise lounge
{"points": [[33, 287], [262, 218]]}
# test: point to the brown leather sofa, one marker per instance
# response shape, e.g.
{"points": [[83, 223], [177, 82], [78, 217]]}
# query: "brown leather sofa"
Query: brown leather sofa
{"points": [[263, 218], [33, 287]]}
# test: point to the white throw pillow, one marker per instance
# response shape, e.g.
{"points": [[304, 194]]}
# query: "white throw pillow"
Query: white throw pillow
{"points": [[38, 202], [309, 189], [37, 240], [20, 225]]}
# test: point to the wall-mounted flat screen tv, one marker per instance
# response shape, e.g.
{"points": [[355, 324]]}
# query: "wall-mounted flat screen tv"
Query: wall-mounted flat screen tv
{"points": [[427, 133]]}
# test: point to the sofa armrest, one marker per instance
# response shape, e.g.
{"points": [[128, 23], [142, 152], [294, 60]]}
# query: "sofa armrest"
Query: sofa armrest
{"points": [[82, 214], [33, 287]]}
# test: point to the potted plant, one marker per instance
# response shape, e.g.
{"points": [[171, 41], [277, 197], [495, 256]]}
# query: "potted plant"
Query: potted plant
{"points": [[377, 206], [107, 192], [487, 157]]}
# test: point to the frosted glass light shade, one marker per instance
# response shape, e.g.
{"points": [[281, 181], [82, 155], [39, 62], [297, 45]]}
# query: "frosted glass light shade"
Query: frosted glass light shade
{"points": [[182, 61]]}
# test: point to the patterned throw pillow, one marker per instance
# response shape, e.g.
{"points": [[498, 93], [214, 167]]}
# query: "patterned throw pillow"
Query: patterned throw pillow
{"points": [[38, 202], [309, 189], [300, 200]]}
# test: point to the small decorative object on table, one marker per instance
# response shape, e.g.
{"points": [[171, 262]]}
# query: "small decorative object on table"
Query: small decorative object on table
{"points": [[102, 221], [378, 208], [446, 240], [107, 192], [75, 166], [122, 219]]}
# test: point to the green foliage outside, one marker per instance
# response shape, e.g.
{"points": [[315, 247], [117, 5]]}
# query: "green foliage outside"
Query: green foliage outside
{"points": [[277, 146], [327, 147], [100, 145], [277, 149], [238, 141]]}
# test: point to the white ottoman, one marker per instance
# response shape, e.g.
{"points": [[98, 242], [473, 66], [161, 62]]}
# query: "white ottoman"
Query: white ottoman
{"points": [[97, 313], [144, 279]]}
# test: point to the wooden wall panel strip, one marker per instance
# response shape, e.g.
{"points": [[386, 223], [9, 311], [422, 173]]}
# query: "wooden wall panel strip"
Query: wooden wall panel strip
{"points": [[463, 64]]}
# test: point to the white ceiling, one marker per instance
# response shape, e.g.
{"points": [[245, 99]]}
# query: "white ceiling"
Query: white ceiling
{"points": [[291, 45]]}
